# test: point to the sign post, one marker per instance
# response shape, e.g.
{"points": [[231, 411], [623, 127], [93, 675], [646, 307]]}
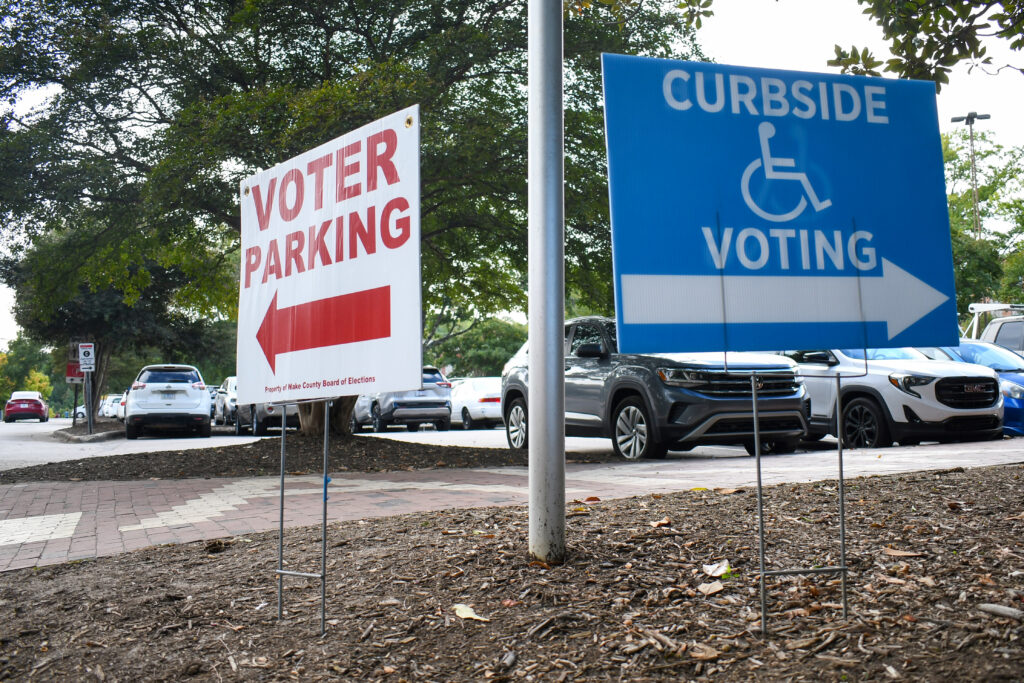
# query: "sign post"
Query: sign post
{"points": [[329, 297], [757, 209], [87, 364]]}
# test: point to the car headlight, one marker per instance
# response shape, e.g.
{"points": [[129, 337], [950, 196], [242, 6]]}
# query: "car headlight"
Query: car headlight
{"points": [[681, 377], [1011, 389], [906, 383]]}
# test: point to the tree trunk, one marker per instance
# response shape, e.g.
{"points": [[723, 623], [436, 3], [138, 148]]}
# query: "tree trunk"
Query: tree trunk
{"points": [[311, 417]]}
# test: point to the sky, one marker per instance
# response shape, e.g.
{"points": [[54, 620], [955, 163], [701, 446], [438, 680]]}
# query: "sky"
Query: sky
{"points": [[800, 35]]}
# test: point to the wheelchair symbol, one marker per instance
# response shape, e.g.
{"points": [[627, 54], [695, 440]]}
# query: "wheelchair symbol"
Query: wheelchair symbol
{"points": [[771, 167]]}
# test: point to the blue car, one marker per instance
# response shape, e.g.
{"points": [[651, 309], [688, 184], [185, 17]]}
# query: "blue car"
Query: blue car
{"points": [[1008, 364]]}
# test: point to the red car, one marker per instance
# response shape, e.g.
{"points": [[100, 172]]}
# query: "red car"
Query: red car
{"points": [[26, 405]]}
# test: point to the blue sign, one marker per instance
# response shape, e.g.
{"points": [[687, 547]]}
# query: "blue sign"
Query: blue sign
{"points": [[758, 209]]}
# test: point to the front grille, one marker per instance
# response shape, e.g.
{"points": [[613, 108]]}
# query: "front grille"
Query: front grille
{"points": [[746, 425], [967, 392], [972, 423], [736, 385]]}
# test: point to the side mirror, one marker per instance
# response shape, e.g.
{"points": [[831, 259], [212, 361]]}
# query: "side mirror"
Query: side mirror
{"points": [[819, 357], [591, 351]]}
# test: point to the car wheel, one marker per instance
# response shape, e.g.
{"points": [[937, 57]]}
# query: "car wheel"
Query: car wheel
{"points": [[379, 423], [131, 431], [259, 427], [632, 433], [467, 420], [354, 426], [205, 430], [413, 426], [515, 425], [239, 430], [773, 446], [443, 425], [864, 425]]}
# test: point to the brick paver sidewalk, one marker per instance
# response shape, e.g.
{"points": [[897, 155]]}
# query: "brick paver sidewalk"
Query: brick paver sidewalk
{"points": [[53, 522]]}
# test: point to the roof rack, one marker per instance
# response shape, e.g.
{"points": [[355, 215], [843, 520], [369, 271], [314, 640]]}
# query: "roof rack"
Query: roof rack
{"points": [[979, 309]]}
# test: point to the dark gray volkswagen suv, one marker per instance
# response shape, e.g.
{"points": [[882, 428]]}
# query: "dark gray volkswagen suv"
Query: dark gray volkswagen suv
{"points": [[648, 404]]}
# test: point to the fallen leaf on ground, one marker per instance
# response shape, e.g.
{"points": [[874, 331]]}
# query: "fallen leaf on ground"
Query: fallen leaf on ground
{"points": [[664, 521], [703, 652], [466, 612], [892, 552], [711, 588], [728, 492], [717, 569]]}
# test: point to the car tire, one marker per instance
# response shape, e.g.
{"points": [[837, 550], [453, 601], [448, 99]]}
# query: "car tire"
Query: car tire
{"points": [[205, 430], [131, 431], [516, 428], [443, 425], [864, 425], [239, 430], [379, 423], [259, 427], [413, 426], [633, 433], [354, 426], [467, 420]]}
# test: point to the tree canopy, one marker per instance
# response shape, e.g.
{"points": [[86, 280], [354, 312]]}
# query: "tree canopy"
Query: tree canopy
{"points": [[927, 38], [126, 173]]}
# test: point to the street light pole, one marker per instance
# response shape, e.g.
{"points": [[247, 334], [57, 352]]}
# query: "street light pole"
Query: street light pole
{"points": [[970, 119]]}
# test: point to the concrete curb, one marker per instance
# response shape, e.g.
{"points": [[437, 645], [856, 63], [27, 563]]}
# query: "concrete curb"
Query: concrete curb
{"points": [[61, 435]]}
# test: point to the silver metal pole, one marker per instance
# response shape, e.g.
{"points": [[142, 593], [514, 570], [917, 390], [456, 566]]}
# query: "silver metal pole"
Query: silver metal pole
{"points": [[842, 496], [88, 400], [323, 526], [974, 182], [546, 399], [280, 528], [760, 506]]}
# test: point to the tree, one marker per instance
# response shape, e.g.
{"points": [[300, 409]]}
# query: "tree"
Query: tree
{"points": [[926, 37], [157, 111], [481, 351], [979, 260]]}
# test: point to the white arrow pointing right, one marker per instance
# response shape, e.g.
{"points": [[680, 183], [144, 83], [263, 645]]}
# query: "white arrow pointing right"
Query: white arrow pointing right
{"points": [[897, 298]]}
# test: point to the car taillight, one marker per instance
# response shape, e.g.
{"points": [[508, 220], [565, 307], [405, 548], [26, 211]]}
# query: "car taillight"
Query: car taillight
{"points": [[496, 399], [198, 385], [138, 385], [446, 385]]}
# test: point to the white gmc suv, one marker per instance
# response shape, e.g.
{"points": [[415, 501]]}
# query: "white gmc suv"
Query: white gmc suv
{"points": [[899, 395]]}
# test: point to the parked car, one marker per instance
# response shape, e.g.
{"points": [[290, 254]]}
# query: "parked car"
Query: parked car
{"points": [[476, 402], [899, 395], [167, 396], [1008, 365], [227, 399], [26, 405], [120, 406], [1007, 332], [648, 404], [267, 416], [108, 405], [430, 403]]}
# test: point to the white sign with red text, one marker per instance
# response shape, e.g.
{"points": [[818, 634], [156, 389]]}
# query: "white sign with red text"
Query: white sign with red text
{"points": [[329, 292]]}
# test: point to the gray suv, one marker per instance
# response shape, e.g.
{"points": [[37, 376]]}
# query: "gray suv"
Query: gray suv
{"points": [[648, 404], [430, 403]]}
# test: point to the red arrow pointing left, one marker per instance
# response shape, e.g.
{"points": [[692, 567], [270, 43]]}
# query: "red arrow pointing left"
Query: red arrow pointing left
{"points": [[359, 316]]}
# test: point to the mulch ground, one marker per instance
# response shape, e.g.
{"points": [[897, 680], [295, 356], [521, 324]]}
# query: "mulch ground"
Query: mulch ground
{"points": [[935, 592]]}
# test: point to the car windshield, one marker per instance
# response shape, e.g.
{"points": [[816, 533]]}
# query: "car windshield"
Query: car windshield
{"points": [[157, 376], [884, 354], [995, 357]]}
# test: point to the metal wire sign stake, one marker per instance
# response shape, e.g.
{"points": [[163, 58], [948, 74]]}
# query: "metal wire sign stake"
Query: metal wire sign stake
{"points": [[842, 568], [281, 571]]}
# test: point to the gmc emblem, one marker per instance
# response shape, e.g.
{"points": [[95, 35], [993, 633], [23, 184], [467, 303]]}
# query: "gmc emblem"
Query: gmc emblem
{"points": [[975, 388]]}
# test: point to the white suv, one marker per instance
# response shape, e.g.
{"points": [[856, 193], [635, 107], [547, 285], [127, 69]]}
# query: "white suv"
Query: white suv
{"points": [[172, 396], [900, 395]]}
